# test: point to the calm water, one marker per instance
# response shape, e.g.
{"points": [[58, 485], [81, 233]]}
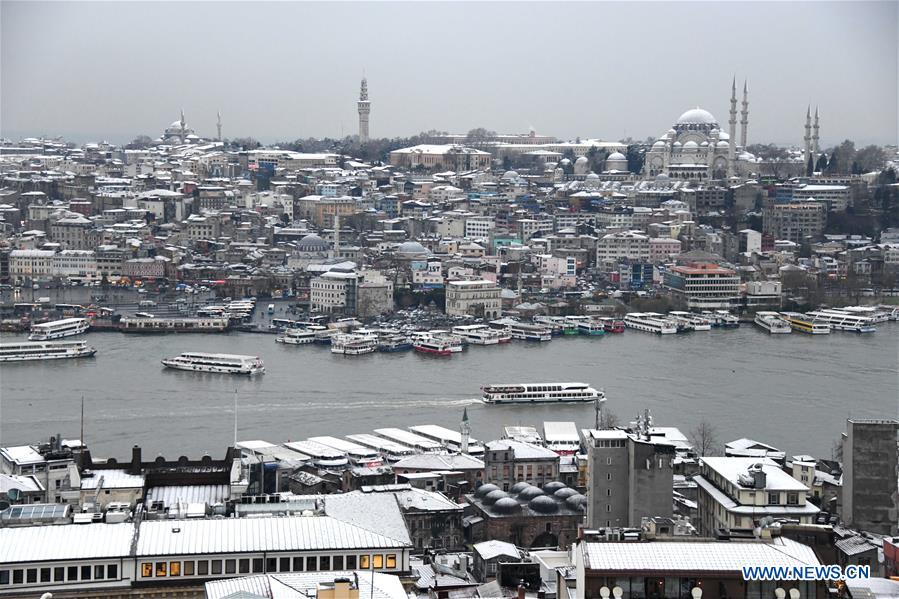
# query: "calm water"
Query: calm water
{"points": [[792, 391]]}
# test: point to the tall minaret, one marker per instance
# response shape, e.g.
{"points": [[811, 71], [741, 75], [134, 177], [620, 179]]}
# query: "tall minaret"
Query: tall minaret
{"points": [[744, 120], [465, 429], [218, 125], [183, 126], [364, 107], [808, 135], [733, 129], [815, 147], [336, 250]]}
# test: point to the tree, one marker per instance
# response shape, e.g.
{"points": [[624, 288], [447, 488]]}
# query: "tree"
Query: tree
{"points": [[607, 419], [810, 167], [870, 158], [821, 165], [245, 143], [833, 164], [704, 438], [139, 142]]}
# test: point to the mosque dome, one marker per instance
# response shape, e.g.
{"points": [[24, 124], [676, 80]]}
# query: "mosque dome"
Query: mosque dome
{"points": [[697, 116], [411, 248], [565, 493], [543, 504], [518, 487], [313, 243], [671, 132], [658, 145], [510, 175], [530, 493], [484, 489], [691, 146], [175, 125], [576, 501], [592, 177], [677, 144], [581, 160], [722, 144], [506, 505], [494, 496], [618, 156], [552, 487], [704, 144]]}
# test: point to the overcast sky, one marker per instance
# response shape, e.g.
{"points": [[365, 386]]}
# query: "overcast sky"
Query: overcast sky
{"points": [[279, 71]]}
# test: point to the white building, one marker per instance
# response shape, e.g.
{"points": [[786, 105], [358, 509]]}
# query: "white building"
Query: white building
{"points": [[473, 298], [633, 245], [448, 156], [30, 264], [76, 264], [479, 227], [835, 196]]}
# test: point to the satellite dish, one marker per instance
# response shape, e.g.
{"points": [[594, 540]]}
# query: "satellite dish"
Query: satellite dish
{"points": [[14, 494]]}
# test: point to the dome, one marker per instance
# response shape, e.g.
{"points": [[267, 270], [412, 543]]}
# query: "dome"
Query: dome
{"points": [[581, 160], [543, 504], [592, 176], [518, 487], [175, 125], [722, 144], [576, 501], [691, 145], [618, 155], [506, 505], [659, 144], [565, 161], [697, 116], [677, 144], [510, 175], [704, 144], [484, 489], [530, 493], [553, 486], [411, 247], [671, 133], [494, 496], [313, 243], [565, 493]]}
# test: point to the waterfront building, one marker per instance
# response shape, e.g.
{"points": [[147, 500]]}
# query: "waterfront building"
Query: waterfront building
{"points": [[870, 497], [507, 462], [473, 298], [704, 286], [629, 476], [736, 493], [51, 464], [30, 265]]}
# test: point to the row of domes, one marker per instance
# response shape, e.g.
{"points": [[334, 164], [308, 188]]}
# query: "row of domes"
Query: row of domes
{"points": [[545, 500]]}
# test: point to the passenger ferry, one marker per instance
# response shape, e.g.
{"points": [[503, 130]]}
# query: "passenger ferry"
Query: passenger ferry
{"points": [[613, 325], [394, 343], [693, 322], [726, 319], [588, 326], [450, 438], [540, 393], [436, 344], [557, 325], [296, 336], [523, 331], [480, 334], [358, 455], [456, 342], [216, 363], [173, 325], [324, 335], [44, 350], [806, 324], [350, 344], [390, 450], [772, 322], [57, 329], [844, 321], [322, 455], [650, 322], [877, 314]]}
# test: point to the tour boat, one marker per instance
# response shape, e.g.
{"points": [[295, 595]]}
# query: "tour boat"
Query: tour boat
{"points": [[296, 336], [806, 324], [540, 393], [650, 322], [690, 321], [845, 321], [44, 350], [216, 363], [772, 322], [57, 329], [350, 344], [613, 325], [438, 346], [478, 334]]}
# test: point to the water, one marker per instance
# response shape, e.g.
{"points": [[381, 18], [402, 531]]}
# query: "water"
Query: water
{"points": [[791, 391]]}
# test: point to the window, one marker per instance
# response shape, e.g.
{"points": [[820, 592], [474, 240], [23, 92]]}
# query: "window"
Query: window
{"points": [[188, 568], [378, 561], [202, 568], [258, 564], [391, 560], [608, 492], [4, 576], [17, 576], [773, 499], [31, 574], [285, 564], [161, 568], [312, 564], [271, 564], [338, 562], [792, 498], [99, 573], [351, 562], [608, 507], [73, 572], [59, 574], [364, 562], [608, 476], [230, 566], [608, 461], [243, 565], [216, 566], [45, 574], [299, 564]]}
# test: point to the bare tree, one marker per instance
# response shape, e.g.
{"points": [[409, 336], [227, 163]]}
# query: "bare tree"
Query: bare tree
{"points": [[704, 438]]}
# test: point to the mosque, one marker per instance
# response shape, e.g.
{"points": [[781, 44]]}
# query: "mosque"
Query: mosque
{"points": [[696, 148]]}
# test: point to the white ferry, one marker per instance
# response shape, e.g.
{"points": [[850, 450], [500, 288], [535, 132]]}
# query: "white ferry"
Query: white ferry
{"points": [[726, 319], [523, 331], [772, 322], [845, 321], [350, 344], [806, 324], [589, 326], [693, 322], [540, 393], [217, 363], [456, 343], [438, 346], [44, 350], [57, 329], [296, 336], [650, 322], [480, 334]]}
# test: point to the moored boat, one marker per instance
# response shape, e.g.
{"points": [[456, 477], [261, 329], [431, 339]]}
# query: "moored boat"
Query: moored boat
{"points": [[57, 329], [772, 322], [216, 363], [44, 350]]}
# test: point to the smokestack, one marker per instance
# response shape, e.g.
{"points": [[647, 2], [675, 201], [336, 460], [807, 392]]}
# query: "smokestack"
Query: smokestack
{"points": [[135, 459]]}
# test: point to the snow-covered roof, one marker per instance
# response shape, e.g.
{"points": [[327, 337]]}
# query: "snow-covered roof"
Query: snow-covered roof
{"points": [[493, 548]]}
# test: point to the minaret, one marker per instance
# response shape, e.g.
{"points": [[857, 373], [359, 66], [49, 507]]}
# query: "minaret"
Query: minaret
{"points": [[465, 429], [218, 125], [808, 135], [733, 129], [183, 126], [744, 120], [815, 147], [336, 250], [364, 107]]}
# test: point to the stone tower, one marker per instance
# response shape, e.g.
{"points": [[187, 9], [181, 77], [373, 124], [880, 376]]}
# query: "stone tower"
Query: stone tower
{"points": [[744, 120], [465, 429], [364, 107], [732, 132]]}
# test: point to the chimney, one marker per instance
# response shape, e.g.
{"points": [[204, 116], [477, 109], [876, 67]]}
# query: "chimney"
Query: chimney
{"points": [[521, 590], [759, 478], [135, 460]]}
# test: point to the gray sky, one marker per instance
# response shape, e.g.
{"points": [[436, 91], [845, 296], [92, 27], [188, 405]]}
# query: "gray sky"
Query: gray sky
{"points": [[283, 70]]}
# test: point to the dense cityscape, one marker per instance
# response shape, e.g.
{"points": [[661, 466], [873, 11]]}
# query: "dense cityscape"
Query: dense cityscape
{"points": [[182, 316]]}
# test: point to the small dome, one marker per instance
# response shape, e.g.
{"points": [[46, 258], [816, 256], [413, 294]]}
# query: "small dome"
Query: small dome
{"points": [[677, 144], [618, 156], [658, 145], [722, 144], [312, 243], [530, 493], [506, 505], [510, 175], [565, 493], [518, 487], [565, 161], [484, 489], [553, 486], [697, 116], [494, 496], [576, 501], [592, 176], [411, 247], [543, 504], [581, 160], [691, 145], [704, 144]]}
